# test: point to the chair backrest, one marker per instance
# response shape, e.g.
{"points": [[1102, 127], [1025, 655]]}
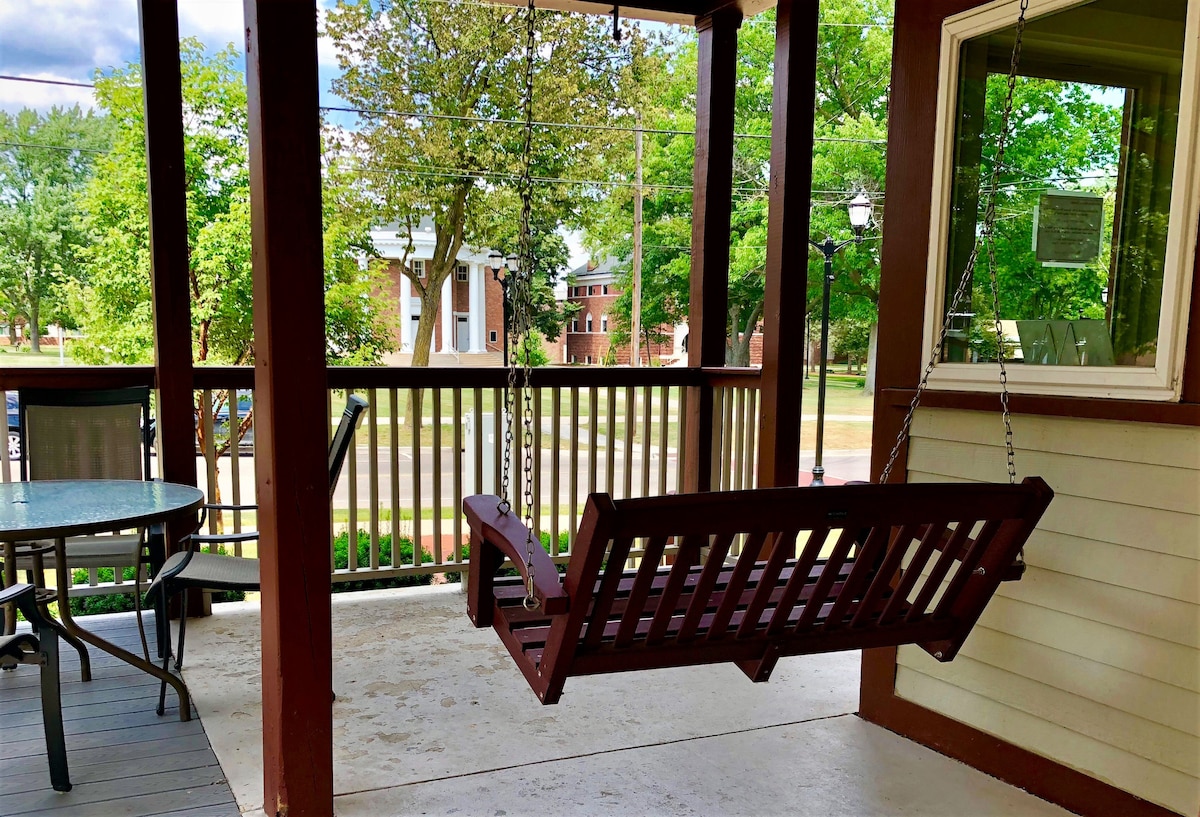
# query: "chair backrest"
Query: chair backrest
{"points": [[355, 406], [89, 434]]}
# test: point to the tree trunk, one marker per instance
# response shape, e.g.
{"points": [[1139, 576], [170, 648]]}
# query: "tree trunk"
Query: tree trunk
{"points": [[872, 354], [35, 334]]}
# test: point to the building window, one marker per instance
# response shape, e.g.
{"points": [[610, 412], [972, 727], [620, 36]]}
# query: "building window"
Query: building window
{"points": [[604, 323], [460, 273], [418, 267], [604, 289], [493, 336], [574, 324], [1093, 245], [589, 322], [588, 360], [572, 358]]}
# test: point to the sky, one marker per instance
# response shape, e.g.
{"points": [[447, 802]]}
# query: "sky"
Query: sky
{"points": [[68, 40]]}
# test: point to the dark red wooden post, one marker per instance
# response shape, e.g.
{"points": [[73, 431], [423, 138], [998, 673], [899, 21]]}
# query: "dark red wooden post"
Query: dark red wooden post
{"points": [[167, 189], [712, 197], [787, 241], [291, 426]]}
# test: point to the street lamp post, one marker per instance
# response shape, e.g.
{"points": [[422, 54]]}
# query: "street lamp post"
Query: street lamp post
{"points": [[497, 264], [860, 216]]}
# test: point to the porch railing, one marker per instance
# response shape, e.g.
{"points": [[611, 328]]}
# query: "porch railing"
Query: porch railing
{"points": [[433, 436]]}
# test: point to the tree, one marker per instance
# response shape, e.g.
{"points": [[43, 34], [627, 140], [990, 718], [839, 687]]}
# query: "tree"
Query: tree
{"points": [[45, 161], [439, 91], [114, 302], [854, 63]]}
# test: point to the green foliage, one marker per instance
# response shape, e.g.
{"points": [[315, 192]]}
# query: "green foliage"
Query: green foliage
{"points": [[114, 301], [448, 66], [404, 555], [854, 65], [45, 161]]}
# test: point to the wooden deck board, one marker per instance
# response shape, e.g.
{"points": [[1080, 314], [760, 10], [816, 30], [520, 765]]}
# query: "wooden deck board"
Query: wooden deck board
{"points": [[125, 760]]}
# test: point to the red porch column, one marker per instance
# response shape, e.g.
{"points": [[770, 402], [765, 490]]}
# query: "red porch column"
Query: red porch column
{"points": [[787, 241], [712, 201], [291, 427], [175, 440]]}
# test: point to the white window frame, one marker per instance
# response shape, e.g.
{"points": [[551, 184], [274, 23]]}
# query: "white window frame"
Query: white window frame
{"points": [[1162, 382], [462, 273], [604, 323], [588, 323], [493, 336], [418, 267]]}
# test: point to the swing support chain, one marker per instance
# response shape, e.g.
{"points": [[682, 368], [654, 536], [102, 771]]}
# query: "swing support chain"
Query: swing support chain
{"points": [[986, 240], [520, 351]]}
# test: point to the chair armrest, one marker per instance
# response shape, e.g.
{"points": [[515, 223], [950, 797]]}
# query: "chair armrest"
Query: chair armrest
{"points": [[506, 533], [25, 597], [222, 538]]}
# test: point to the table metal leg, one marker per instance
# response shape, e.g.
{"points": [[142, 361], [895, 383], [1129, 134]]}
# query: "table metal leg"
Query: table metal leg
{"points": [[64, 611]]}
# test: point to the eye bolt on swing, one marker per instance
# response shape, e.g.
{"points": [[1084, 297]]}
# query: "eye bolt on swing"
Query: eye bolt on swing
{"points": [[860, 210]]}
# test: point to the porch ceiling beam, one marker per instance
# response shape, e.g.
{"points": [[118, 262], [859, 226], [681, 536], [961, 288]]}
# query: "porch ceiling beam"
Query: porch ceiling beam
{"points": [[786, 286], [680, 12], [167, 188], [712, 199], [291, 426]]}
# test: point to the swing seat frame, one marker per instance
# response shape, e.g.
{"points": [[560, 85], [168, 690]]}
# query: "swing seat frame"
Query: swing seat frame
{"points": [[819, 569]]}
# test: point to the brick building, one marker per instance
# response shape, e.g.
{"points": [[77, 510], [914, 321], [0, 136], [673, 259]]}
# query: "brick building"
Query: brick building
{"points": [[471, 324], [587, 339]]}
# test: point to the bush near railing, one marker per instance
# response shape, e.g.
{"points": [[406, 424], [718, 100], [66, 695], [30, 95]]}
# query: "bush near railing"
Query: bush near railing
{"points": [[122, 602]]}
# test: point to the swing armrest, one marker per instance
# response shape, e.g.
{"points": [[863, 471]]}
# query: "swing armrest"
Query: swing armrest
{"points": [[506, 533]]}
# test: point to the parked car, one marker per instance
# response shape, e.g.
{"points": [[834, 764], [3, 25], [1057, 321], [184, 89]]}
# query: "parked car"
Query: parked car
{"points": [[245, 402], [14, 425]]}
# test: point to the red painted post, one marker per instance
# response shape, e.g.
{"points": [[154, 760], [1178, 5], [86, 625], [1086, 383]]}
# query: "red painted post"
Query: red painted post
{"points": [[291, 426], [787, 242], [171, 297], [712, 199]]}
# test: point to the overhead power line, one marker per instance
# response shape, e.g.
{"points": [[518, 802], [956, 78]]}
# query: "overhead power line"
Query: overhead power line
{"points": [[66, 148], [47, 81]]}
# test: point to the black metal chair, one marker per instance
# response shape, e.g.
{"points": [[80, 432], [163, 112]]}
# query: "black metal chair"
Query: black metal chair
{"points": [[89, 434], [192, 568], [40, 648]]}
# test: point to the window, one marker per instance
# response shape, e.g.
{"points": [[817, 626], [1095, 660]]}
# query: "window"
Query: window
{"points": [[588, 360], [418, 267], [1093, 239], [589, 322], [460, 273], [493, 336], [604, 289], [593, 290], [604, 323], [572, 358], [574, 324]]}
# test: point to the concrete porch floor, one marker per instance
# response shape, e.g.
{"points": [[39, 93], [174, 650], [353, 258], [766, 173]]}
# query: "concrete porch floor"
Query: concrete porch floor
{"points": [[432, 717]]}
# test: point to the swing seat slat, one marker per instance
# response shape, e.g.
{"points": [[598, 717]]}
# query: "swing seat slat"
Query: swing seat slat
{"points": [[816, 569]]}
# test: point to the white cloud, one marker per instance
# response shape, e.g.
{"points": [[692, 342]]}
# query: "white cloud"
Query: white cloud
{"points": [[216, 23], [17, 95]]}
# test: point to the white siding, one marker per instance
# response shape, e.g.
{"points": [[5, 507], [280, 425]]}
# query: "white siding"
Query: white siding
{"points": [[1093, 659]]}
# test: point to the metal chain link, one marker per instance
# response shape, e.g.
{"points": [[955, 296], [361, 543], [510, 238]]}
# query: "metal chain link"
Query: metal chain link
{"points": [[520, 297], [986, 239]]}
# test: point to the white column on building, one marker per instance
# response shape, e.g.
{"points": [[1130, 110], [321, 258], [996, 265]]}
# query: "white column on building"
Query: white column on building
{"points": [[478, 318], [448, 314], [405, 313]]}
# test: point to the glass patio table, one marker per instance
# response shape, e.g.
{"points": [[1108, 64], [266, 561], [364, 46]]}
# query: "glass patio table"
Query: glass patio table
{"points": [[57, 509]]}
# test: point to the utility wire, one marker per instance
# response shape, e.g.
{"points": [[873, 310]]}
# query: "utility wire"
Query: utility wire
{"points": [[10, 78], [65, 148]]}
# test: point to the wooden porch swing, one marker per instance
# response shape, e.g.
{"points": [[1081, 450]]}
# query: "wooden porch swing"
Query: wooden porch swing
{"points": [[756, 574]]}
